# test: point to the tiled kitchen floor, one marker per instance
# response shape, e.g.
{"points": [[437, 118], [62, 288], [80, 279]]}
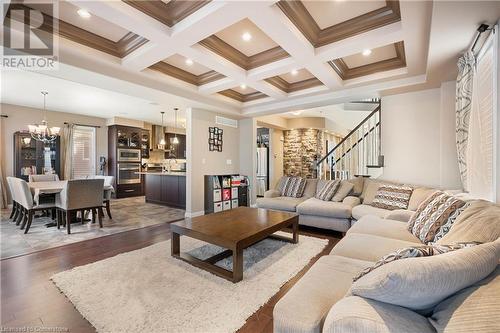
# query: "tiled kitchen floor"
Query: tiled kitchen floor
{"points": [[128, 214]]}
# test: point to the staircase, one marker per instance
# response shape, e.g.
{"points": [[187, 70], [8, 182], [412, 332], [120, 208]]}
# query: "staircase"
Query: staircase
{"points": [[357, 154]]}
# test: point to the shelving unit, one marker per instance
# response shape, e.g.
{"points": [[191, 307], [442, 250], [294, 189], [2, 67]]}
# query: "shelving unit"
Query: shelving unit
{"points": [[30, 155], [225, 192]]}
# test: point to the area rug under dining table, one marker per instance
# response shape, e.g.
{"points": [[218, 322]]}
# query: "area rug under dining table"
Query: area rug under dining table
{"points": [[147, 290]]}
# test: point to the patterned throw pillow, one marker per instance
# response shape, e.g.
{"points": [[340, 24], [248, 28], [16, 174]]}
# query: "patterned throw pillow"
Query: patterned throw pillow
{"points": [[392, 197], [281, 184], [326, 193], [294, 187], [413, 252], [434, 216]]}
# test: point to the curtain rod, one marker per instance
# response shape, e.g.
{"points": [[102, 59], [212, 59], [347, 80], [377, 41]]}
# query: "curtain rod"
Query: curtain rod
{"points": [[482, 28], [95, 126]]}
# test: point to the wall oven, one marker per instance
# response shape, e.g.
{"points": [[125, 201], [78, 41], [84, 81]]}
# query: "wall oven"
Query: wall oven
{"points": [[128, 173], [129, 155]]}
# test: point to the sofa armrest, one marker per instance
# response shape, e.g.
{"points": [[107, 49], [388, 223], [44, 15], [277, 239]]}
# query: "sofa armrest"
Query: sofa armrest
{"points": [[272, 194], [351, 201], [355, 314], [403, 215]]}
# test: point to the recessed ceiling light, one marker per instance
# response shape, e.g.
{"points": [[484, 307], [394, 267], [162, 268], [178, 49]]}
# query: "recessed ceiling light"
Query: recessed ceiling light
{"points": [[246, 36], [189, 62], [294, 72], [243, 86], [296, 113], [366, 52], [83, 13]]}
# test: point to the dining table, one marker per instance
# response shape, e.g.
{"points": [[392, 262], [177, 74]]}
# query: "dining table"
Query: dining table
{"points": [[53, 187]]}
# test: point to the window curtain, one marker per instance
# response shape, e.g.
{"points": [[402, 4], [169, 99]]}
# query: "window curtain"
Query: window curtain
{"points": [[67, 150], [463, 107]]}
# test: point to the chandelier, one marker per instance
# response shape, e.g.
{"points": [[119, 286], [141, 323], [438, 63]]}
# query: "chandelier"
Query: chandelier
{"points": [[175, 141], [42, 132]]}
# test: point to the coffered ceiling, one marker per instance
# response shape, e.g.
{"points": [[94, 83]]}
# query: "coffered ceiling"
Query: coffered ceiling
{"points": [[286, 54]]}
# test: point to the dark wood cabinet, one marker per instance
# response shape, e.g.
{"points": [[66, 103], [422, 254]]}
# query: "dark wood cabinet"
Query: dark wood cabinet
{"points": [[168, 190], [126, 137], [30, 155]]}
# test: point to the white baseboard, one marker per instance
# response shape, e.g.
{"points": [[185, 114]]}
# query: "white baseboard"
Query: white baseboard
{"points": [[194, 214]]}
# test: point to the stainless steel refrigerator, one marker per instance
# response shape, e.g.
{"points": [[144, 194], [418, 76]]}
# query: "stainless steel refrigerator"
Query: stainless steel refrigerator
{"points": [[262, 171]]}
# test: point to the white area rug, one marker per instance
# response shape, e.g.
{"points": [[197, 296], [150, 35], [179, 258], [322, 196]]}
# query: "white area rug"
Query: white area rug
{"points": [[149, 291]]}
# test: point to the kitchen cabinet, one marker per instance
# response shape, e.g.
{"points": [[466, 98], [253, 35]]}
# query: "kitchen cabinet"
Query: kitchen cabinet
{"points": [[166, 189], [30, 155]]}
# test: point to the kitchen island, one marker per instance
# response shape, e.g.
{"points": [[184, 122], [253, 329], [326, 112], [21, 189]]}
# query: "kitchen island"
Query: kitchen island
{"points": [[165, 188]]}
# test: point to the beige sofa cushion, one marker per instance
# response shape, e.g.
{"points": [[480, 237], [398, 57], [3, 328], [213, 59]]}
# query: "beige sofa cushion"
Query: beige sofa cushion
{"points": [[418, 196], [272, 194], [305, 306], [368, 247], [473, 309], [319, 207], [362, 210], [370, 189], [421, 283], [403, 215], [360, 315], [310, 189], [373, 225], [343, 191], [479, 222], [280, 203], [358, 183]]}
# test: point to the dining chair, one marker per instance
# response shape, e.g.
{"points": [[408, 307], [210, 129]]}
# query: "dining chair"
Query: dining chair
{"points": [[28, 207], [80, 195], [15, 206], [108, 182], [43, 178]]}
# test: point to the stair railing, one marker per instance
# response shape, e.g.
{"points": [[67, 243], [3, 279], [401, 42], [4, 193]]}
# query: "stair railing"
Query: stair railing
{"points": [[356, 152]]}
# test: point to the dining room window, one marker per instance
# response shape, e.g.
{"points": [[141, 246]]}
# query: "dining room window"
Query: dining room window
{"points": [[84, 152]]}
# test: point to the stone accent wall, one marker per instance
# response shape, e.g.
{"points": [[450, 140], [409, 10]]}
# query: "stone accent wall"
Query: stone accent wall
{"points": [[301, 149]]}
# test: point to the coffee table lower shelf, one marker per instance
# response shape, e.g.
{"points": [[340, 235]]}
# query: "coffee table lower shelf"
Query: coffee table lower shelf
{"points": [[208, 264]]}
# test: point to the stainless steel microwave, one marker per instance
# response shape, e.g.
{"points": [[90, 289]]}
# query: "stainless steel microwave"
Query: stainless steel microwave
{"points": [[129, 155]]}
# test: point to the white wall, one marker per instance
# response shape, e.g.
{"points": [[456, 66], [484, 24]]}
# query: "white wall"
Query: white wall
{"points": [[203, 162], [275, 156], [248, 153], [20, 117], [418, 131]]}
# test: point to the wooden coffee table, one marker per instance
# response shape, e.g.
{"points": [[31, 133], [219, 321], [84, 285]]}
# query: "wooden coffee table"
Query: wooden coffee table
{"points": [[234, 230]]}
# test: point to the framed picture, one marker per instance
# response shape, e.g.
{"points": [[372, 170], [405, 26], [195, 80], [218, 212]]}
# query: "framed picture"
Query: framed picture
{"points": [[215, 139]]}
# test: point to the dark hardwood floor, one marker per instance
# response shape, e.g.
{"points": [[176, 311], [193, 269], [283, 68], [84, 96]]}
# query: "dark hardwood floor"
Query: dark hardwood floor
{"points": [[29, 298]]}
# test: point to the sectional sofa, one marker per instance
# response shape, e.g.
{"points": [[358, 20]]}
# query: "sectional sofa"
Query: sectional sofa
{"points": [[340, 216], [326, 299]]}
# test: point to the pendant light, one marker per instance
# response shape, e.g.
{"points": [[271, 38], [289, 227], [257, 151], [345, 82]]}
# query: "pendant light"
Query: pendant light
{"points": [[175, 140], [162, 141], [42, 132]]}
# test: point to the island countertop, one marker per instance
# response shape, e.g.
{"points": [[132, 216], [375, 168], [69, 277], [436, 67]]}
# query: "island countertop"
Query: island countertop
{"points": [[158, 173]]}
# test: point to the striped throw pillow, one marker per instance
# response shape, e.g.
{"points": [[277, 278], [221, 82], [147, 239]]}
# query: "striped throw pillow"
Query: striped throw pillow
{"points": [[413, 252], [392, 197], [328, 190], [431, 221], [281, 184], [294, 187]]}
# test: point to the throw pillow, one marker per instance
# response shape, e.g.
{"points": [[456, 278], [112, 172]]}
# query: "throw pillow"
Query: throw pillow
{"points": [[418, 196], [328, 190], [413, 252], [281, 184], [392, 197], [294, 187], [432, 215], [343, 191], [421, 283], [478, 222], [358, 185], [370, 189]]}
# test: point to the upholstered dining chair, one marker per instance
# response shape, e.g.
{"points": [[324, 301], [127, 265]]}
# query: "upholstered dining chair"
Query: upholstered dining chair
{"points": [[109, 181], [80, 195], [26, 204], [43, 178], [16, 208]]}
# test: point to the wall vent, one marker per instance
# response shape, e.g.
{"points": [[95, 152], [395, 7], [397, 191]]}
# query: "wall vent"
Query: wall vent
{"points": [[226, 121]]}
